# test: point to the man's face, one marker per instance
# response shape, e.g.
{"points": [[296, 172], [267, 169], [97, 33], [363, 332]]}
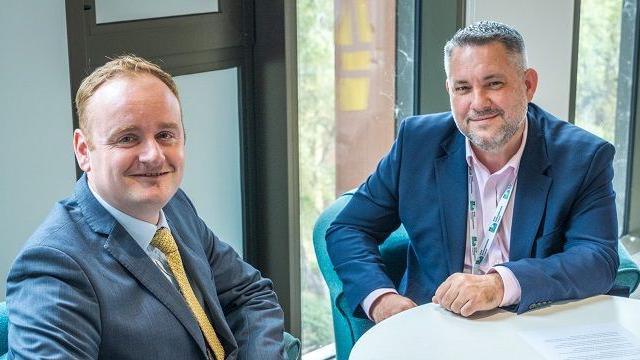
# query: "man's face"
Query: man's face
{"points": [[489, 94], [134, 152]]}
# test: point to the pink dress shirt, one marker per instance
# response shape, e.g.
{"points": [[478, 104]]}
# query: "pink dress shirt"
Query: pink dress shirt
{"points": [[489, 188]]}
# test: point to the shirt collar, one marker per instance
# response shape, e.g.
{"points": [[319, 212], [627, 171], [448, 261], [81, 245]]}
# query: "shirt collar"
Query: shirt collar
{"points": [[513, 163], [141, 231]]}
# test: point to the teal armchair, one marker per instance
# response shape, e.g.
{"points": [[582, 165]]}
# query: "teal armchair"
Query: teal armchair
{"points": [[347, 328], [292, 344], [4, 331]]}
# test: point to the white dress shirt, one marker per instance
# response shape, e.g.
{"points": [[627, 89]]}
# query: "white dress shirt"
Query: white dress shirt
{"points": [[142, 232]]}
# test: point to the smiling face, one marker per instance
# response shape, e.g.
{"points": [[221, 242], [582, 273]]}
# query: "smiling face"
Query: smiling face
{"points": [[134, 154], [489, 94]]}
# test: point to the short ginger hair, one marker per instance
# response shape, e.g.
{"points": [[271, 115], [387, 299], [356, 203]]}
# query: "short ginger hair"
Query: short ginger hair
{"points": [[122, 66]]}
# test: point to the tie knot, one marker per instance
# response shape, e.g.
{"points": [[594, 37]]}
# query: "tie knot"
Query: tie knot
{"points": [[163, 240]]}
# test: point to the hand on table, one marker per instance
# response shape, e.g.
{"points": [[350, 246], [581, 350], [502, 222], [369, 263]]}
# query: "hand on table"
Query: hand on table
{"points": [[465, 294], [388, 305]]}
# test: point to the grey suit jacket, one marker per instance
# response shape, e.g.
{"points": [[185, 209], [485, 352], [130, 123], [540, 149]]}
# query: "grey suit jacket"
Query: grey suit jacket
{"points": [[82, 288]]}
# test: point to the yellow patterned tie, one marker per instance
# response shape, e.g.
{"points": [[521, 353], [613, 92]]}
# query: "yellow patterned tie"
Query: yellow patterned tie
{"points": [[163, 240]]}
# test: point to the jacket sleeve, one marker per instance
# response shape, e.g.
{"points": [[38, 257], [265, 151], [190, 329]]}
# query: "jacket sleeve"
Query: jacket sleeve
{"points": [[250, 305], [62, 321], [588, 262], [247, 299]]}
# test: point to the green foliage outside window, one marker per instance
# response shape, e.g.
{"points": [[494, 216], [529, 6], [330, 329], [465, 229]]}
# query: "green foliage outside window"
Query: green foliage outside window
{"points": [[598, 58], [316, 128]]}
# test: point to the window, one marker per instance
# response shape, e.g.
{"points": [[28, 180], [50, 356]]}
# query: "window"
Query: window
{"points": [[346, 119], [604, 81]]}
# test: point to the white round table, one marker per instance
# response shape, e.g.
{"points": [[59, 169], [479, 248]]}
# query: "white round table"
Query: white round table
{"points": [[431, 332]]}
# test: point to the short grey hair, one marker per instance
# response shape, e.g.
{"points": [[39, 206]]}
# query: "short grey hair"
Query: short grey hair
{"points": [[486, 32]]}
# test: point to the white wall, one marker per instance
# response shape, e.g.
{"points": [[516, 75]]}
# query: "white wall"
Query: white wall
{"points": [[36, 155], [547, 28]]}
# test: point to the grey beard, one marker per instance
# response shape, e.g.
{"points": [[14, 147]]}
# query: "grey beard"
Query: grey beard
{"points": [[507, 130]]}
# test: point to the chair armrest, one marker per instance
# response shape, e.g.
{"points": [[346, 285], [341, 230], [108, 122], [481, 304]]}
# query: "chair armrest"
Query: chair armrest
{"points": [[628, 272], [291, 347], [4, 330]]}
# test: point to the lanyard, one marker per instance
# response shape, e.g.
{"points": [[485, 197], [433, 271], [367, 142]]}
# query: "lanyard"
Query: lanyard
{"points": [[479, 251]]}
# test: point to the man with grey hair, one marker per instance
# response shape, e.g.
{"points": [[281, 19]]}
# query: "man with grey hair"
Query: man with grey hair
{"points": [[504, 204]]}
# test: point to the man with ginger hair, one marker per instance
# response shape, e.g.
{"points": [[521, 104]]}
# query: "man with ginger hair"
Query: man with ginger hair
{"points": [[124, 268]]}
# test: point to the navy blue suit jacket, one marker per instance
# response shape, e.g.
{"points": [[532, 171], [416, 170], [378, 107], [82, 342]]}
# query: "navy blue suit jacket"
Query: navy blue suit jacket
{"points": [[564, 232], [82, 288]]}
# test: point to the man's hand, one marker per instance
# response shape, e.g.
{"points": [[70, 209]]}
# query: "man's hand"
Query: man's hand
{"points": [[465, 294], [388, 305]]}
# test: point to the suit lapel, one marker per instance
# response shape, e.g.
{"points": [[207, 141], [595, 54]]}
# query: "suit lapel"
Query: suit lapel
{"points": [[452, 188], [199, 272], [129, 254], [531, 193]]}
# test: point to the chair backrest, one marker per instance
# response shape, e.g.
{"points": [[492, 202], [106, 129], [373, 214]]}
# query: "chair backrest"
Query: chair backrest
{"points": [[4, 329], [348, 328]]}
